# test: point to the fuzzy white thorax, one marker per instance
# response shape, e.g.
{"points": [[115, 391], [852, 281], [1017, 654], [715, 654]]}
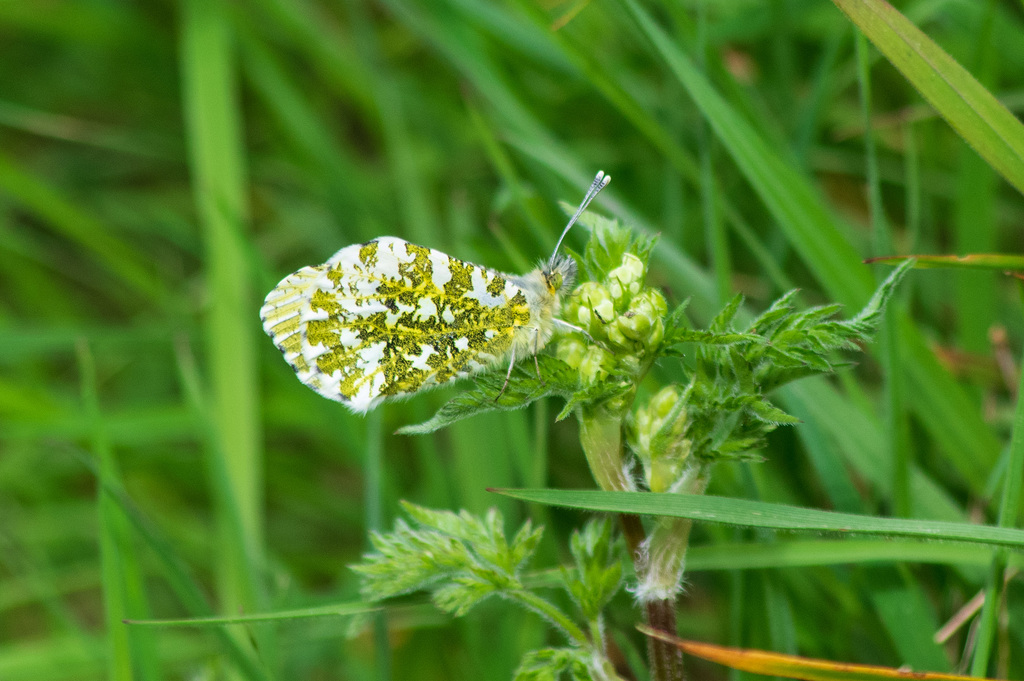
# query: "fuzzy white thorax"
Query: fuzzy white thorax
{"points": [[542, 288]]}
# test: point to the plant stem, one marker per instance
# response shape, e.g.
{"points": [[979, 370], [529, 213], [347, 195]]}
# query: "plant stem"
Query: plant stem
{"points": [[601, 438], [666, 660], [533, 602], [1009, 510]]}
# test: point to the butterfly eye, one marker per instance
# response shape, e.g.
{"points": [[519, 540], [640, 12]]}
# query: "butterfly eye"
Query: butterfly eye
{"points": [[555, 281]]}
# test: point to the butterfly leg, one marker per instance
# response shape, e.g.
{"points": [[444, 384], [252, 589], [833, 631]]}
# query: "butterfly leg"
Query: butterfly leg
{"points": [[536, 351], [566, 327], [508, 376]]}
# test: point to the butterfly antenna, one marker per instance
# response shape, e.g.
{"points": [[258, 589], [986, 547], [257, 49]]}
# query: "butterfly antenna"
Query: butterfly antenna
{"points": [[600, 182]]}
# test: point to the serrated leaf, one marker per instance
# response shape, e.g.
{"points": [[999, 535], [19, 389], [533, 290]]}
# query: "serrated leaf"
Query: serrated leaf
{"points": [[676, 319], [742, 371], [608, 242], [684, 335], [780, 377], [816, 315], [723, 320], [778, 310], [549, 664], [769, 413], [524, 544], [598, 573], [608, 389], [873, 310], [643, 245], [461, 558], [524, 387], [458, 525], [460, 595]]}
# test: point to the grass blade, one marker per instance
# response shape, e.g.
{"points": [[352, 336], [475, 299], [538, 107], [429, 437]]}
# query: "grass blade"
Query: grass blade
{"points": [[795, 667], [1009, 512], [999, 262], [746, 513], [809, 226], [215, 149], [973, 111]]}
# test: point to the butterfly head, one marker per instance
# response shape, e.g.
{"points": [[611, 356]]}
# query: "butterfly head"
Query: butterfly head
{"points": [[559, 274], [560, 270]]}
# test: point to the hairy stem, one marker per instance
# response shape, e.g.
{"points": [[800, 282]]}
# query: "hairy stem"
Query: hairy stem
{"points": [[601, 437], [532, 601], [666, 660]]}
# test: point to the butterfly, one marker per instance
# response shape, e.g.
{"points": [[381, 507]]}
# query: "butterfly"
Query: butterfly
{"points": [[388, 318]]}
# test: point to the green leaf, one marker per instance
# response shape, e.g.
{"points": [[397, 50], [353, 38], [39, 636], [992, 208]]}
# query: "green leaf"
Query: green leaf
{"points": [[351, 609], [608, 242], [610, 388], [549, 664], [598, 573], [1000, 262], [973, 111], [723, 320], [524, 387], [462, 593], [872, 312], [767, 412], [461, 558], [748, 513], [676, 319], [770, 318], [684, 335]]}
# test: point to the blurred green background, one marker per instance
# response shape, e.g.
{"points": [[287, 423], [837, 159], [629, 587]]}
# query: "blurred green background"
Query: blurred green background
{"points": [[163, 165]]}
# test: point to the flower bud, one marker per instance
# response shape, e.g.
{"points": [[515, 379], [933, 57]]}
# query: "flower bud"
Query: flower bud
{"points": [[604, 310], [634, 326], [615, 290], [656, 334], [664, 459], [644, 311], [571, 351], [595, 364], [591, 308], [626, 280], [616, 337], [628, 364]]}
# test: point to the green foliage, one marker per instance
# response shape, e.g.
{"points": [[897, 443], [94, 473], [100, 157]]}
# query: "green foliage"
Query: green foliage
{"points": [[721, 413], [725, 403], [607, 246], [460, 558], [524, 386], [550, 664], [598, 568]]}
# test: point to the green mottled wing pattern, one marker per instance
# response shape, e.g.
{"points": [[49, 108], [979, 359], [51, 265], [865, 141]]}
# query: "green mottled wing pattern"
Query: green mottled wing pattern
{"points": [[388, 318]]}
